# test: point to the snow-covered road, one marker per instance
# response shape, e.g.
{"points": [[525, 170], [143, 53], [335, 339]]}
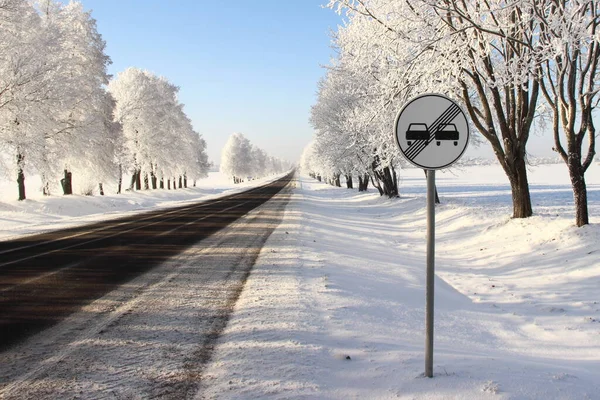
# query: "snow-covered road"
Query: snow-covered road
{"points": [[150, 338]]}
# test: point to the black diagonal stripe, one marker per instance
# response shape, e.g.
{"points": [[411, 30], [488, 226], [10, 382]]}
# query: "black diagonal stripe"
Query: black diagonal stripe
{"points": [[438, 123], [444, 119], [418, 146]]}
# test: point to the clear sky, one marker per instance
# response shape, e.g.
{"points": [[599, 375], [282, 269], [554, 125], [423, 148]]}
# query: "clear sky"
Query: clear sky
{"points": [[242, 66]]}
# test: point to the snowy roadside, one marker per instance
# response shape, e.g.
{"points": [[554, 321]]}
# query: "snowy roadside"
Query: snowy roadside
{"points": [[43, 213], [334, 307]]}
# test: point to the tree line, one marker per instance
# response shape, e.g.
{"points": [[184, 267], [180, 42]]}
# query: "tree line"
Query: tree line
{"points": [[61, 113], [242, 160], [515, 65]]}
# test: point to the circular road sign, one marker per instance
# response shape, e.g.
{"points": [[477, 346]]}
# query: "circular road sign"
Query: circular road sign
{"points": [[432, 131]]}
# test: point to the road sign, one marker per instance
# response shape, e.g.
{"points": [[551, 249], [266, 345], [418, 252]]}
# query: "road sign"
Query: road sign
{"points": [[432, 131]]}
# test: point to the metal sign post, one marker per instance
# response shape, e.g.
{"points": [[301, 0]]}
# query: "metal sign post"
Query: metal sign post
{"points": [[430, 273], [424, 120]]}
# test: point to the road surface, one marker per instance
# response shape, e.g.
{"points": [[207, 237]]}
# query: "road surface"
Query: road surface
{"points": [[128, 308]]}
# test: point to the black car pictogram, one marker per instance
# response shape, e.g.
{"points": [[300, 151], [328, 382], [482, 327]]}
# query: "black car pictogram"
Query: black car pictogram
{"points": [[417, 132], [447, 132]]}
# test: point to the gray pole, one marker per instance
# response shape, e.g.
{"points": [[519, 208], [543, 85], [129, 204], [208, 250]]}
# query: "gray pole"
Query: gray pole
{"points": [[430, 272]]}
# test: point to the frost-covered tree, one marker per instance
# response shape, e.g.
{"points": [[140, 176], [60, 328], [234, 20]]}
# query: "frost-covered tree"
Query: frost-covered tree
{"points": [[79, 114], [570, 51], [199, 164], [57, 114], [135, 105], [310, 162], [158, 138], [236, 157], [452, 47], [259, 162], [348, 132], [25, 87], [52, 70], [241, 159]]}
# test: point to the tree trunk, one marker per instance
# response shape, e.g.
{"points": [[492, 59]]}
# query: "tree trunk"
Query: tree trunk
{"points": [[319, 178], [336, 180], [162, 183], [375, 182], [138, 180], [146, 181], [132, 185], [120, 179], [194, 183], [520, 190], [101, 189], [180, 182], [67, 183], [174, 184], [349, 181], [363, 182], [169, 184], [576, 174], [154, 180], [389, 188], [21, 176], [185, 181]]}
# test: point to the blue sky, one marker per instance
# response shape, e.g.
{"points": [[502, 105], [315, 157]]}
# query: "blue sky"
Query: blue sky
{"points": [[242, 66]]}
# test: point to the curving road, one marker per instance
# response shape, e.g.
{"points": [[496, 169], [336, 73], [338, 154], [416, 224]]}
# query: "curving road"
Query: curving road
{"points": [[45, 278]]}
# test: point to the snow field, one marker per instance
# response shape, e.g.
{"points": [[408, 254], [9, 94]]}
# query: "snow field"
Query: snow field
{"points": [[334, 308]]}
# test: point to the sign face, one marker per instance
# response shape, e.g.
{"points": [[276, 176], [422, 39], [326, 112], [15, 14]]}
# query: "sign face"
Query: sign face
{"points": [[432, 131]]}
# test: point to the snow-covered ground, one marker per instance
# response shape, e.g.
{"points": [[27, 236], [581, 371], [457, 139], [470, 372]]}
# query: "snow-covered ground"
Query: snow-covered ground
{"points": [[334, 308], [335, 305], [41, 213]]}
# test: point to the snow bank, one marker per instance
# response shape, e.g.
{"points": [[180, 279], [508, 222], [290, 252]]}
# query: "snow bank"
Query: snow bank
{"points": [[42, 213], [335, 306]]}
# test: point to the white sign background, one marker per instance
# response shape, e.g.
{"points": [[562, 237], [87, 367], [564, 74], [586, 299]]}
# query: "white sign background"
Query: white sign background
{"points": [[434, 110]]}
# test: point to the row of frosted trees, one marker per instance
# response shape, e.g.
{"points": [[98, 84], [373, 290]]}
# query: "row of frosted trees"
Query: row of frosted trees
{"points": [[516, 65], [242, 160], [60, 114], [157, 142]]}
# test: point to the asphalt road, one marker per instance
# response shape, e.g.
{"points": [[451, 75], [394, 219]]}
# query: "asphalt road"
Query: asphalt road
{"points": [[45, 278]]}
